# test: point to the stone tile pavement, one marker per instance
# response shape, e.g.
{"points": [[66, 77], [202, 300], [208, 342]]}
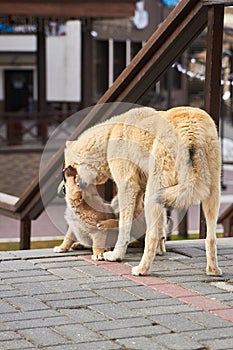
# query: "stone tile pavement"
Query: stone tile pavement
{"points": [[68, 302]]}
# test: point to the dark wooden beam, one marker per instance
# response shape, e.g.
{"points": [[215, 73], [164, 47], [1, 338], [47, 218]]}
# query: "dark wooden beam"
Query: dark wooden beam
{"points": [[213, 74], [217, 2], [69, 8], [41, 78]]}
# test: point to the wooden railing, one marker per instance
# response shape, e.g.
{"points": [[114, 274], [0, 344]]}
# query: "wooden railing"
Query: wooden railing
{"points": [[175, 34]]}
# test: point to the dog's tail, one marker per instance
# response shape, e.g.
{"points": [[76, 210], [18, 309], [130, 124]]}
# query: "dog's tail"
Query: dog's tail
{"points": [[193, 180]]}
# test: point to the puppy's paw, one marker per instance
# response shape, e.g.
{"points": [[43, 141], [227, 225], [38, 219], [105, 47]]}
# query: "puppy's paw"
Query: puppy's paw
{"points": [[213, 271], [97, 257], [100, 225], [139, 271], [58, 249]]}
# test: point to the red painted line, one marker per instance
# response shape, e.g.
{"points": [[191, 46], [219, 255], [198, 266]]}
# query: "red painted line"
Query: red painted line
{"points": [[170, 289]]}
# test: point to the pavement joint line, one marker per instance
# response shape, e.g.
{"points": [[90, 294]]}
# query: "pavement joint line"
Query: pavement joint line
{"points": [[165, 287]]}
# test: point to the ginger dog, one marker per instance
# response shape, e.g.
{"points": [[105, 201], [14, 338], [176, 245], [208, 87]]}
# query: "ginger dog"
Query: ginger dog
{"points": [[174, 156]]}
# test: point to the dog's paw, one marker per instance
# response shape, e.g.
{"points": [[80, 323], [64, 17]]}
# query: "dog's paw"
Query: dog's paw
{"points": [[113, 256], [139, 271], [213, 271], [58, 249], [161, 249], [97, 257]]}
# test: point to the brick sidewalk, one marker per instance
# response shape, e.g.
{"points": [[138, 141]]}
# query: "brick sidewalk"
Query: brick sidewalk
{"points": [[67, 302]]}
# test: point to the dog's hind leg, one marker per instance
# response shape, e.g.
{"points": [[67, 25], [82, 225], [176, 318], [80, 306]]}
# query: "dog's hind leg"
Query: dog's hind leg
{"points": [[210, 207]]}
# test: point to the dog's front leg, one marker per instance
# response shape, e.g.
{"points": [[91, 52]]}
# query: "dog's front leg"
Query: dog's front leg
{"points": [[127, 199], [154, 239]]}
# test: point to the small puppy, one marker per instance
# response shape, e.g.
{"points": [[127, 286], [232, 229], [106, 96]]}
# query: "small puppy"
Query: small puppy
{"points": [[91, 221]]}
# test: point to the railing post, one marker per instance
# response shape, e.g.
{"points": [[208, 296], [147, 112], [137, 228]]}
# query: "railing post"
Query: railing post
{"points": [[213, 74], [25, 233]]}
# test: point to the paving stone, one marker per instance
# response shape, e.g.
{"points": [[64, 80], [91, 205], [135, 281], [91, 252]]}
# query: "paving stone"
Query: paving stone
{"points": [[93, 271], [145, 304], [169, 309], [211, 334], [139, 343], [66, 295], [68, 273], [78, 333], [29, 315], [178, 342], [6, 308], [27, 276], [109, 282], [19, 265], [43, 336], [135, 332], [176, 322], [144, 292], [27, 303], [207, 320], [76, 303], [84, 315], [8, 335], [40, 322], [96, 345], [17, 344], [114, 311], [119, 323], [118, 295], [221, 344]]}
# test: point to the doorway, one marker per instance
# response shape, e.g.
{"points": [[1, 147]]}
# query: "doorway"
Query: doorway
{"points": [[18, 98]]}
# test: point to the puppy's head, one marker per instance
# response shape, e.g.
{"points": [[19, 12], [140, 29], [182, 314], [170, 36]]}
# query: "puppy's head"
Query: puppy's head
{"points": [[71, 184]]}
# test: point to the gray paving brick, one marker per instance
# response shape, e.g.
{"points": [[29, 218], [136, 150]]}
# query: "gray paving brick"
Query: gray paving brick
{"points": [[144, 304], [27, 276], [211, 334], [169, 309], [68, 273], [78, 333], [176, 322], [66, 295], [144, 292], [27, 303], [135, 332], [6, 308], [17, 344], [39, 322], [93, 271], [97, 345], [43, 336], [115, 311], [84, 315], [139, 343], [29, 315], [119, 323], [221, 344], [118, 295], [18, 265], [178, 342], [8, 335], [207, 320], [76, 303], [109, 282]]}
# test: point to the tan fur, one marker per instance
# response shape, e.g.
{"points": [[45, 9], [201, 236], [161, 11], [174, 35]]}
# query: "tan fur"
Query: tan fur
{"points": [[172, 155], [84, 221]]}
